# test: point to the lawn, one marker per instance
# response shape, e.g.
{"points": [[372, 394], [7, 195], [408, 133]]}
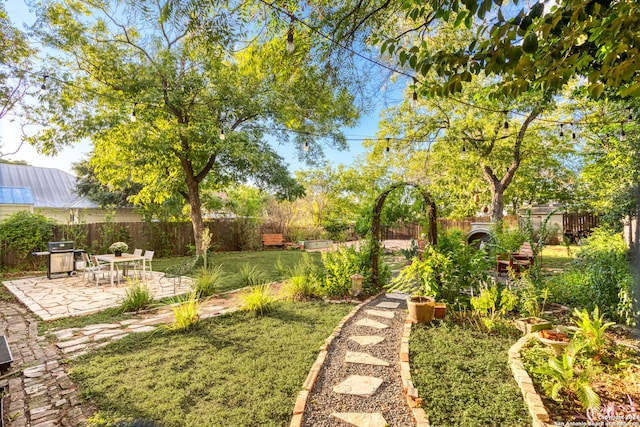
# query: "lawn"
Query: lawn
{"points": [[234, 370], [233, 262], [463, 377], [557, 256]]}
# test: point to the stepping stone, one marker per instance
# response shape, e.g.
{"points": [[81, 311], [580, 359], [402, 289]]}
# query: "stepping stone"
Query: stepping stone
{"points": [[397, 295], [359, 385], [371, 323], [380, 313], [360, 419], [367, 339], [364, 359], [388, 305]]}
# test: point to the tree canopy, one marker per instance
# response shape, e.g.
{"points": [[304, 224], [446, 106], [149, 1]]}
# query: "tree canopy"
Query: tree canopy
{"points": [[176, 101]]}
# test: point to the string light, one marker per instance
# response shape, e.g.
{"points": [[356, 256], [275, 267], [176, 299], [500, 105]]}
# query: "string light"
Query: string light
{"points": [[133, 117], [573, 131], [506, 121], [387, 149], [290, 45], [222, 136], [630, 114], [561, 131], [622, 132], [306, 146], [43, 87]]}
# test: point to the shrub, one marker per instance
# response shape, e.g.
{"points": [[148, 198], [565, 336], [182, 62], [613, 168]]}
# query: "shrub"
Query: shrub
{"points": [[257, 299], [137, 297], [208, 280], [600, 275], [251, 276], [303, 282], [185, 309], [23, 233]]}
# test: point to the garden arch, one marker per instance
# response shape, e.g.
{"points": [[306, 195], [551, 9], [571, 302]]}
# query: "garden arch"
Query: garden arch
{"points": [[432, 234]]}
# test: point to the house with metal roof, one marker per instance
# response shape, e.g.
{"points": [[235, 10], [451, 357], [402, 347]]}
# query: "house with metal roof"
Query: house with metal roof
{"points": [[51, 192]]}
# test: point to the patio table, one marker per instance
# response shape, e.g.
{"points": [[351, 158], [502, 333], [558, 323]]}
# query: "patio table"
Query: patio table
{"points": [[112, 260]]}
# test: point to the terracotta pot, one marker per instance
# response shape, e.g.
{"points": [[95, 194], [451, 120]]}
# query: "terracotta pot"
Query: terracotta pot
{"points": [[421, 309], [440, 310]]}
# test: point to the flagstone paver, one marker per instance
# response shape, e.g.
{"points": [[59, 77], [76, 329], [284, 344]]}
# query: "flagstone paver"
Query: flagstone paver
{"points": [[364, 358], [371, 323], [397, 295], [388, 304], [367, 339], [361, 419], [381, 313], [359, 385]]}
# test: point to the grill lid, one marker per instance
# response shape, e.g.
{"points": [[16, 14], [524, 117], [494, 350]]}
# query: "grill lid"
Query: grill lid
{"points": [[61, 246]]}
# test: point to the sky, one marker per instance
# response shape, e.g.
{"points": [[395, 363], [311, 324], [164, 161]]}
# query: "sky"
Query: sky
{"points": [[10, 130]]}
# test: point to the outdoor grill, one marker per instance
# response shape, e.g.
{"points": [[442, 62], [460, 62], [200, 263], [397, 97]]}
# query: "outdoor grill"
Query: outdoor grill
{"points": [[60, 257]]}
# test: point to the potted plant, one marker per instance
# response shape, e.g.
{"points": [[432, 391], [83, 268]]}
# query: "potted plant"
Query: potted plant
{"points": [[118, 248], [533, 303], [423, 280]]}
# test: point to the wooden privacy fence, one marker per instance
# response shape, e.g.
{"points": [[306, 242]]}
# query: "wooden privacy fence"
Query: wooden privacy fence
{"points": [[578, 225], [414, 230]]}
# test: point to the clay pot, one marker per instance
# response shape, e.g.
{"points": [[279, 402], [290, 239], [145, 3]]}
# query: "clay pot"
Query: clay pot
{"points": [[421, 309], [440, 310]]}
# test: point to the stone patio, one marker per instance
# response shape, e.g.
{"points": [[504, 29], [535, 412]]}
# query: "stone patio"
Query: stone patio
{"points": [[70, 296]]}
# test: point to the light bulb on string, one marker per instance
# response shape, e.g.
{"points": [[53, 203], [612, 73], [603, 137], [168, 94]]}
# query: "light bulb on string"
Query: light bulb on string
{"points": [[561, 130], [573, 133], [43, 87], [630, 116], [387, 149], [306, 146], [290, 45], [133, 117], [414, 95], [222, 136], [622, 132], [506, 121]]}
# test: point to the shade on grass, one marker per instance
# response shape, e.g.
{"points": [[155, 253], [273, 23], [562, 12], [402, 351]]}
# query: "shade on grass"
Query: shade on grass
{"points": [[463, 377], [234, 370]]}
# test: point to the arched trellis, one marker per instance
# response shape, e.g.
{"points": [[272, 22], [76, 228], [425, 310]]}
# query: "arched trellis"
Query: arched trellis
{"points": [[432, 234]]}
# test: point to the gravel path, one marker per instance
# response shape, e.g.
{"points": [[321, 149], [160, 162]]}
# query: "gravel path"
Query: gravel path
{"points": [[388, 399]]}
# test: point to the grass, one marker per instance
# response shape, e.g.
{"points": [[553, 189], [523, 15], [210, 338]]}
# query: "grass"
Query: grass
{"points": [[557, 256], [234, 370], [232, 263], [463, 377]]}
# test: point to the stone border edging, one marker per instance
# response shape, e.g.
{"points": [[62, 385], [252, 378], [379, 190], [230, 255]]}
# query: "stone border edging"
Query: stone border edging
{"points": [[413, 400], [303, 395], [540, 416]]}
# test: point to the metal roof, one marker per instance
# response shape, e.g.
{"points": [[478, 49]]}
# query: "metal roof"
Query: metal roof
{"points": [[50, 188]]}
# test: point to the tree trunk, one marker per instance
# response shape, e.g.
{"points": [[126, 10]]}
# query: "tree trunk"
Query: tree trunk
{"points": [[196, 217], [497, 203]]}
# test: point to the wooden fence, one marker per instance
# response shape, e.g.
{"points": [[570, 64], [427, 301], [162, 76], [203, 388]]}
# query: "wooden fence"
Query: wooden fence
{"points": [[414, 230], [578, 225]]}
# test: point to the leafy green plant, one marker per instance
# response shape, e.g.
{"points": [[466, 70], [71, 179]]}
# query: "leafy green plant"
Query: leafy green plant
{"points": [[340, 265], [411, 252], [185, 309], [532, 299], [208, 280], [137, 297], [251, 275], [591, 329], [280, 269], [566, 377], [492, 304], [257, 299], [425, 277], [298, 288]]}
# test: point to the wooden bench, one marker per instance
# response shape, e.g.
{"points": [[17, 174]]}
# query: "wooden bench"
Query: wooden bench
{"points": [[277, 240], [516, 261]]}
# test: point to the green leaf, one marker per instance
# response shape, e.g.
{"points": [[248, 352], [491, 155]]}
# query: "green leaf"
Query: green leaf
{"points": [[530, 44]]}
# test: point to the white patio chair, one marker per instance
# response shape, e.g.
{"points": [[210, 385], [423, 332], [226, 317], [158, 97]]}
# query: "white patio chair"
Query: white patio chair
{"points": [[134, 265], [148, 256], [98, 268]]}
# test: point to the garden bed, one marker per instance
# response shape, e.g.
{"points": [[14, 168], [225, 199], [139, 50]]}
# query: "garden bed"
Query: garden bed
{"points": [[463, 377]]}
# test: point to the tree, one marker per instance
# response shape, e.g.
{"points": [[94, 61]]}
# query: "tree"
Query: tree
{"points": [[88, 185], [470, 156], [203, 98], [541, 47], [15, 62]]}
